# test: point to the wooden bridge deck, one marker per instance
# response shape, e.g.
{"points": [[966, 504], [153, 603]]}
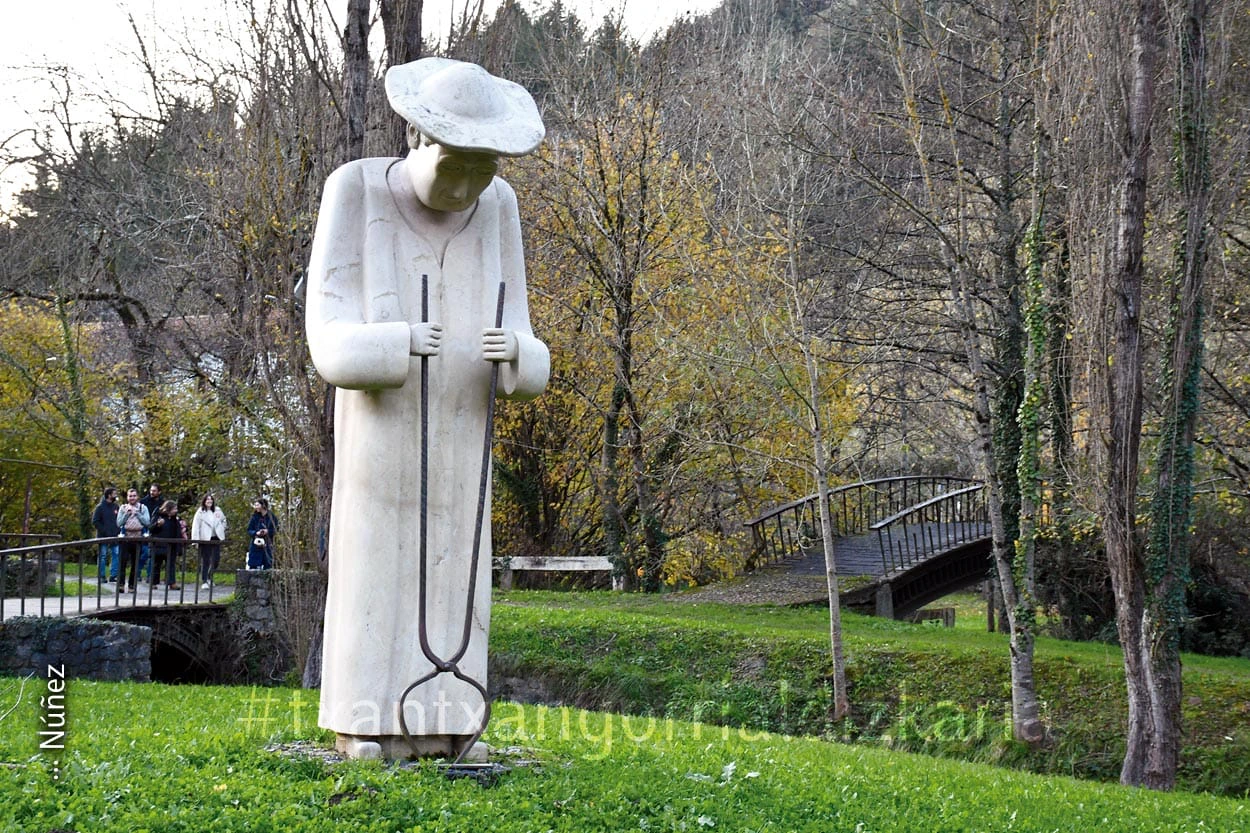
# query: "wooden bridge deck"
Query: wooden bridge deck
{"points": [[860, 555], [855, 556]]}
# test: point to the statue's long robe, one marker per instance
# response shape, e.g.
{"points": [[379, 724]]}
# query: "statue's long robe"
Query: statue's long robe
{"points": [[364, 291]]}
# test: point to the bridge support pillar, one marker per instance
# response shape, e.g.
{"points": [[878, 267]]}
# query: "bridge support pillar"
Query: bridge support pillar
{"points": [[885, 600]]}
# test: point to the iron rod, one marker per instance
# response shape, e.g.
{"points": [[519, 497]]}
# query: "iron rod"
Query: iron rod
{"points": [[440, 665]]}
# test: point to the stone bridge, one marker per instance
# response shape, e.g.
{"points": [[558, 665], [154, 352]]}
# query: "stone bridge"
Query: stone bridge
{"points": [[57, 614]]}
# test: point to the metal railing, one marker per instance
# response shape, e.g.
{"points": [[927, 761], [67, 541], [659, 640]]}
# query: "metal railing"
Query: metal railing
{"points": [[62, 579], [939, 524], [786, 531]]}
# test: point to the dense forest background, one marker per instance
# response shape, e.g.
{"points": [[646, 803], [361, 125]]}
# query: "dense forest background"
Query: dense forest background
{"points": [[786, 242]]}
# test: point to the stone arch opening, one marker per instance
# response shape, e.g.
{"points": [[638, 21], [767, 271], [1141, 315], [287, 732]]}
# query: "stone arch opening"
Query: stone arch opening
{"points": [[173, 663]]}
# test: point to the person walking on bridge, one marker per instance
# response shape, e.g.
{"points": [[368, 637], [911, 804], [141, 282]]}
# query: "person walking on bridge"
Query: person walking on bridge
{"points": [[104, 519], [261, 529], [166, 553], [134, 520], [153, 503], [208, 529]]}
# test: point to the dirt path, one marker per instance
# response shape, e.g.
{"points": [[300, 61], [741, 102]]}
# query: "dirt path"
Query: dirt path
{"points": [[772, 585]]}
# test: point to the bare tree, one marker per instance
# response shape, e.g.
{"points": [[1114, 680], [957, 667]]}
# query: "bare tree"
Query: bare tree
{"points": [[962, 110]]}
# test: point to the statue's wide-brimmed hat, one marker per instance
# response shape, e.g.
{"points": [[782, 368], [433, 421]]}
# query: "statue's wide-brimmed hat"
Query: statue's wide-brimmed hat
{"points": [[460, 105]]}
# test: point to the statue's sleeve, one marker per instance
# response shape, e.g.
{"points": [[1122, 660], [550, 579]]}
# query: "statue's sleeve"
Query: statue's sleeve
{"points": [[525, 377], [347, 350]]}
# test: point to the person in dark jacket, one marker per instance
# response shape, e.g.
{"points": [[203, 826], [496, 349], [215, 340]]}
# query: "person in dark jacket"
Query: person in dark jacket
{"points": [[166, 553], [261, 529], [152, 501], [104, 519]]}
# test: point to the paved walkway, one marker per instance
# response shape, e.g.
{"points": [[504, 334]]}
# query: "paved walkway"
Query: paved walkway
{"points": [[109, 599]]}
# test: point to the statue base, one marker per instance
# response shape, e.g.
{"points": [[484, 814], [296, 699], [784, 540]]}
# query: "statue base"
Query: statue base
{"points": [[396, 748]]}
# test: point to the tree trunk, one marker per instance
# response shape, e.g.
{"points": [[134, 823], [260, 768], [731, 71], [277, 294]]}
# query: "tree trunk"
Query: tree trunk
{"points": [[1118, 406], [1026, 726], [649, 523], [401, 23], [75, 412], [841, 701], [1062, 448], [1167, 550], [321, 536], [356, 76], [1026, 720], [613, 518], [996, 378]]}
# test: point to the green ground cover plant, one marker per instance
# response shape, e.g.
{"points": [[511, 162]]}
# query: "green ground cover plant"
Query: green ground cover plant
{"points": [[148, 757], [913, 687]]}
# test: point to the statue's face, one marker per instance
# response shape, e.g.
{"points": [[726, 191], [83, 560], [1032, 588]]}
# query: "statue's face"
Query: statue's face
{"points": [[447, 179]]}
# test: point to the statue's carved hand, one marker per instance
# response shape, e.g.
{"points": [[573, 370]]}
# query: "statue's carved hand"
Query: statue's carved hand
{"points": [[426, 339], [499, 345]]}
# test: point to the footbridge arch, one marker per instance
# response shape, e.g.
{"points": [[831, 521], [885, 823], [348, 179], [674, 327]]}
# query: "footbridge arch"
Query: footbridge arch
{"points": [[914, 538]]}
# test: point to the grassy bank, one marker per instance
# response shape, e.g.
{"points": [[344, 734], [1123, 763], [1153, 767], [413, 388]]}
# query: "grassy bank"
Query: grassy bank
{"points": [[146, 757], [913, 687]]}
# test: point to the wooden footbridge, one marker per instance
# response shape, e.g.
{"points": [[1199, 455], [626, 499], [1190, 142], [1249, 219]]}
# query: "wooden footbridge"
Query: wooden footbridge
{"points": [[914, 538]]}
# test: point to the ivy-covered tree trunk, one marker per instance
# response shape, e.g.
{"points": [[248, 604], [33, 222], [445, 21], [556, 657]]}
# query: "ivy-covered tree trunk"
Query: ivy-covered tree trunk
{"points": [[1019, 573], [985, 304], [1014, 418], [1058, 374], [1026, 726], [1167, 547]]}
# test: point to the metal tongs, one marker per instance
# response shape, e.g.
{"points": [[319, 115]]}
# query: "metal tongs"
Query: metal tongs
{"points": [[451, 665]]}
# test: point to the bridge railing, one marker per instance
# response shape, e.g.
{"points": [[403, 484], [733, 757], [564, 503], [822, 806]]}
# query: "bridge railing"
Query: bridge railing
{"points": [[940, 523], [61, 579], [786, 531]]}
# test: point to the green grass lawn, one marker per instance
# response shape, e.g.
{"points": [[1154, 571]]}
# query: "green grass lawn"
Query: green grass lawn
{"points": [[147, 757], [915, 687], [969, 633], [709, 717]]}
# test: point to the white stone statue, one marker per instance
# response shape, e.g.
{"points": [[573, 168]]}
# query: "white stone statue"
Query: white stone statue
{"points": [[384, 224]]}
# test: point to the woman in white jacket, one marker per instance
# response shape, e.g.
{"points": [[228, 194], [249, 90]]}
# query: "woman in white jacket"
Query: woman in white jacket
{"points": [[208, 529]]}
